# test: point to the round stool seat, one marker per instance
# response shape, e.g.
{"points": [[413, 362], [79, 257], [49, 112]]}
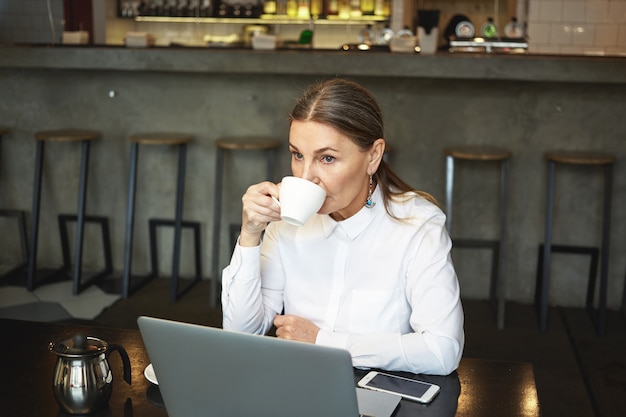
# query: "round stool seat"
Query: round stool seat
{"points": [[247, 143], [67, 135], [580, 157], [161, 138], [477, 152]]}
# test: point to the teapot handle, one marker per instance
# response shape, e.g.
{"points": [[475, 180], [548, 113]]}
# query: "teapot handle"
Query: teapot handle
{"points": [[125, 360]]}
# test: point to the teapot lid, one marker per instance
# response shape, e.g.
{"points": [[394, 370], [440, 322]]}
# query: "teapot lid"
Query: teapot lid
{"points": [[80, 345]]}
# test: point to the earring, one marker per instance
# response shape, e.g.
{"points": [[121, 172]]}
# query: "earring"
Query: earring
{"points": [[369, 203]]}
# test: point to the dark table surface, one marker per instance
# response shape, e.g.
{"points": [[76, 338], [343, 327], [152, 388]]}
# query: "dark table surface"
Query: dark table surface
{"points": [[478, 388]]}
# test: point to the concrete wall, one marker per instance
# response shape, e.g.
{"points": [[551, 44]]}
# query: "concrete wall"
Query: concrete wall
{"points": [[422, 115]]}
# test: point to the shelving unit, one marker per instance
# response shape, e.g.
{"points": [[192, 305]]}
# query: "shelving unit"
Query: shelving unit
{"points": [[266, 19]]}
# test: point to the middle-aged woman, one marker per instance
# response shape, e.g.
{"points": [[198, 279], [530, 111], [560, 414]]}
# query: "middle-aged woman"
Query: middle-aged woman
{"points": [[371, 271]]}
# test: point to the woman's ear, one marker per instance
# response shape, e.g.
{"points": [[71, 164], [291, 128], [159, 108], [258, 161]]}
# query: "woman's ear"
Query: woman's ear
{"points": [[376, 155]]}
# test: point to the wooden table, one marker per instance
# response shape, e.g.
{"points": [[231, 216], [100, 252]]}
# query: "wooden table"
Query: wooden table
{"points": [[478, 388]]}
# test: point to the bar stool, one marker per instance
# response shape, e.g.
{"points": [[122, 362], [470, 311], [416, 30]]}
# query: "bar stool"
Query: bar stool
{"points": [[579, 158], [160, 139], [20, 216], [67, 136], [477, 153], [269, 145]]}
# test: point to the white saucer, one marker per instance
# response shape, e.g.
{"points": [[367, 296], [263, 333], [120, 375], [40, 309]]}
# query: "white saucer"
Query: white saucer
{"points": [[150, 375]]}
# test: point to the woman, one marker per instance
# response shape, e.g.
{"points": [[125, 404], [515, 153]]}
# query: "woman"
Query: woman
{"points": [[371, 271]]}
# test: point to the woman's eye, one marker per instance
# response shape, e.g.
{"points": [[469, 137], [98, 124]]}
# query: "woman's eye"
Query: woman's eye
{"points": [[297, 155], [328, 159]]}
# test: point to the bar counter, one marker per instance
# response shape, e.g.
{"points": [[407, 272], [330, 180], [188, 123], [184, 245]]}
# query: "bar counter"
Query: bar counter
{"points": [[464, 66], [479, 387], [527, 104]]}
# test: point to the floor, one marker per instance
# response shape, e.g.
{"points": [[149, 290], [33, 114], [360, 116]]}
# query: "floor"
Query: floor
{"points": [[51, 302], [577, 372]]}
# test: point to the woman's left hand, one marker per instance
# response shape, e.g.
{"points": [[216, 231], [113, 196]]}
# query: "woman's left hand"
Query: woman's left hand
{"points": [[295, 328]]}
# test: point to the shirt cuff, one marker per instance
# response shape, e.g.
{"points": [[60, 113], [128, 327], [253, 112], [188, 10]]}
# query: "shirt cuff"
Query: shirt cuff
{"points": [[245, 263], [331, 339]]}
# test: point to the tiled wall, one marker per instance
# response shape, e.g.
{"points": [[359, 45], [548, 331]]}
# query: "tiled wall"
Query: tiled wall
{"points": [[28, 21], [577, 27]]}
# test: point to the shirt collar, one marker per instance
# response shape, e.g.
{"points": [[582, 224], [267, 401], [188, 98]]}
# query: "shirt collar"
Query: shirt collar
{"points": [[355, 225]]}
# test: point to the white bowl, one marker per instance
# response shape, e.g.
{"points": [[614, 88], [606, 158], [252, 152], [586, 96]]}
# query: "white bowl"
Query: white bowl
{"points": [[262, 41]]}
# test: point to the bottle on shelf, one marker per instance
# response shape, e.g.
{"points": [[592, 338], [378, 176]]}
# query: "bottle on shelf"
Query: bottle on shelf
{"points": [[269, 7], [367, 7], [489, 29], [332, 7], [514, 29], [344, 9], [292, 8], [355, 8], [382, 7], [281, 7], [317, 8], [304, 11]]}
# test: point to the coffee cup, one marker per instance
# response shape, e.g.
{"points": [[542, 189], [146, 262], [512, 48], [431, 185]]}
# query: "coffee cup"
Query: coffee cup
{"points": [[299, 200]]}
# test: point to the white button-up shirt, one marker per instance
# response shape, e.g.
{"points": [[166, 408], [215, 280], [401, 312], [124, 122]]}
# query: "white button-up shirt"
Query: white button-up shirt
{"points": [[383, 289]]}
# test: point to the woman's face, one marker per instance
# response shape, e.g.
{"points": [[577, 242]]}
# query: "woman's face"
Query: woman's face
{"points": [[321, 154]]}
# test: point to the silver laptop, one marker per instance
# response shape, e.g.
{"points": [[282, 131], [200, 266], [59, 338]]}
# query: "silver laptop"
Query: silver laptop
{"points": [[205, 371]]}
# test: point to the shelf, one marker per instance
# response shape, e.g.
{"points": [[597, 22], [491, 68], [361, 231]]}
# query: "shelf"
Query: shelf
{"points": [[267, 19]]}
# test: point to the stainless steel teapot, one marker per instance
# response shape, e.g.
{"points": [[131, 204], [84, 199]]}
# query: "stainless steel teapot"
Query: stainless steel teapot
{"points": [[83, 379]]}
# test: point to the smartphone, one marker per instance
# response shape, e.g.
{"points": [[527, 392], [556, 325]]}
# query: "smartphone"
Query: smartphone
{"points": [[409, 389]]}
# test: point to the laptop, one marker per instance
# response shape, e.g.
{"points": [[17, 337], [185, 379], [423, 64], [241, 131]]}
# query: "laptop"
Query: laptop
{"points": [[208, 371]]}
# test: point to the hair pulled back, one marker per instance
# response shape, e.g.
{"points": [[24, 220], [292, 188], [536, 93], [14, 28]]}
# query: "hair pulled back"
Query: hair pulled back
{"points": [[353, 111]]}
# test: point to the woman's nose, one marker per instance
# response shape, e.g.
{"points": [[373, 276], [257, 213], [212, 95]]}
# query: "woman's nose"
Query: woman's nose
{"points": [[309, 173]]}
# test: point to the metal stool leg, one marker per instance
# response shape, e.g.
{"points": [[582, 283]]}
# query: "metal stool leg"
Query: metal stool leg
{"points": [[604, 254], [547, 247], [624, 296], [504, 192], [80, 222], [217, 215], [180, 192], [130, 221], [32, 258]]}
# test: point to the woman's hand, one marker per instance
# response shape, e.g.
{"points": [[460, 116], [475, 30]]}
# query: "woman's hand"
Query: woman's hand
{"points": [[296, 328], [258, 210]]}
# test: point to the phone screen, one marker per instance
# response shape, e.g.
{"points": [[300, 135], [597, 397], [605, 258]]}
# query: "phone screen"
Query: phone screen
{"points": [[399, 385]]}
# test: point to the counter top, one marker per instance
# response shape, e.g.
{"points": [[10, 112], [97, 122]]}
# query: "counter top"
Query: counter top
{"points": [[479, 387], [470, 66]]}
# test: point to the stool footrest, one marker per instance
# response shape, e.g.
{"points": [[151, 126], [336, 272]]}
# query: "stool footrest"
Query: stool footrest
{"points": [[592, 251], [496, 297], [494, 245], [175, 292], [106, 248]]}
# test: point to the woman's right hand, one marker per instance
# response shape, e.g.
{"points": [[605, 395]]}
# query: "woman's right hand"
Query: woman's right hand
{"points": [[259, 208]]}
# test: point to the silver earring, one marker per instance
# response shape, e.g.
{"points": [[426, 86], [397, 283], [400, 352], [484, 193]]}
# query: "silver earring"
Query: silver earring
{"points": [[369, 203]]}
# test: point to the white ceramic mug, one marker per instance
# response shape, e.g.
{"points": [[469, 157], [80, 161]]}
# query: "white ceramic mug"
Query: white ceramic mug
{"points": [[299, 200]]}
